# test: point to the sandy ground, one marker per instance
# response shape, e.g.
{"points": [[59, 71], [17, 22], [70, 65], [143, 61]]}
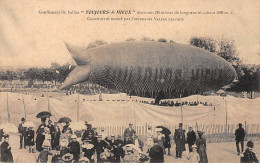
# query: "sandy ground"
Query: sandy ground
{"points": [[217, 153]]}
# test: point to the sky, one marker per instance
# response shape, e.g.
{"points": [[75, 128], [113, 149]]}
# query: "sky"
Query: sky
{"points": [[28, 38]]}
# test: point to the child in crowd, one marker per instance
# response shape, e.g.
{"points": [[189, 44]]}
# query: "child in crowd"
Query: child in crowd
{"points": [[30, 139], [43, 156], [194, 157]]}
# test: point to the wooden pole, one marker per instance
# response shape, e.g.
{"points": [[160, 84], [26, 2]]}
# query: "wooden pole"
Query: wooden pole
{"points": [[78, 109], [48, 102], [226, 113], [181, 110], [24, 107], [214, 102], [7, 107]]}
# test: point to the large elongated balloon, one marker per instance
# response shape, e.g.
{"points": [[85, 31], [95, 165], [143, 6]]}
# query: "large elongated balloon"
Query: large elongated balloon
{"points": [[150, 68]]}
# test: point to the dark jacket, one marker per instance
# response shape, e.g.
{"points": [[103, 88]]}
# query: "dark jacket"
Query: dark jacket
{"points": [[21, 129], [156, 154], [191, 137], [240, 134], [74, 148], [129, 132], [30, 138], [52, 130], [249, 157], [6, 154]]}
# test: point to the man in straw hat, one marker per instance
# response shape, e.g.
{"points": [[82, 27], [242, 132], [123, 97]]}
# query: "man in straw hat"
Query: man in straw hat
{"points": [[100, 145], [64, 147], [249, 156], [156, 152], [179, 138], [88, 149], [22, 132], [74, 147]]}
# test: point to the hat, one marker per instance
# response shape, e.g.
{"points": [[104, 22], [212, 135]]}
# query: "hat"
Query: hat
{"points": [[23, 119], [194, 146], [113, 136], [67, 157], [250, 144], [200, 133], [239, 124], [158, 129], [130, 123], [149, 127], [73, 137], [155, 140], [180, 124], [64, 143], [102, 129], [86, 123], [119, 136]]}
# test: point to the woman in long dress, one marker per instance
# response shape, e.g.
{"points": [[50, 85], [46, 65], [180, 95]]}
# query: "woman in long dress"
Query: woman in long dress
{"points": [[201, 144], [40, 136]]}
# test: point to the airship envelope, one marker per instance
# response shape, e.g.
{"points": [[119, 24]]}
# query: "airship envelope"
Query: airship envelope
{"points": [[150, 68]]}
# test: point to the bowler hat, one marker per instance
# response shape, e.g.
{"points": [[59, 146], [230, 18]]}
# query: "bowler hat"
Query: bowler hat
{"points": [[23, 119]]}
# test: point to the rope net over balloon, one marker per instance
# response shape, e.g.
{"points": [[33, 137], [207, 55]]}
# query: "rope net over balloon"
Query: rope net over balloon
{"points": [[149, 82]]}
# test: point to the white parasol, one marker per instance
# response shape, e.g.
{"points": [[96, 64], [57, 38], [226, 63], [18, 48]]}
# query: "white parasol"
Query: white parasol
{"points": [[8, 128]]}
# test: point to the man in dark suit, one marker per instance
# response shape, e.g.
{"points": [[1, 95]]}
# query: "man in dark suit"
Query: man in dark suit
{"points": [[179, 137], [156, 152], [100, 145], [191, 138], [240, 136], [22, 132], [129, 132]]}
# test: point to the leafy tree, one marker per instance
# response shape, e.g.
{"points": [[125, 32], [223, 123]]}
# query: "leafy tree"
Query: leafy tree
{"points": [[248, 76]]}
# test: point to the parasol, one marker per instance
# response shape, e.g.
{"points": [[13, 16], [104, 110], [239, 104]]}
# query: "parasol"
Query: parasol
{"points": [[77, 126], [64, 119], [43, 114], [29, 124], [165, 130], [8, 128]]}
